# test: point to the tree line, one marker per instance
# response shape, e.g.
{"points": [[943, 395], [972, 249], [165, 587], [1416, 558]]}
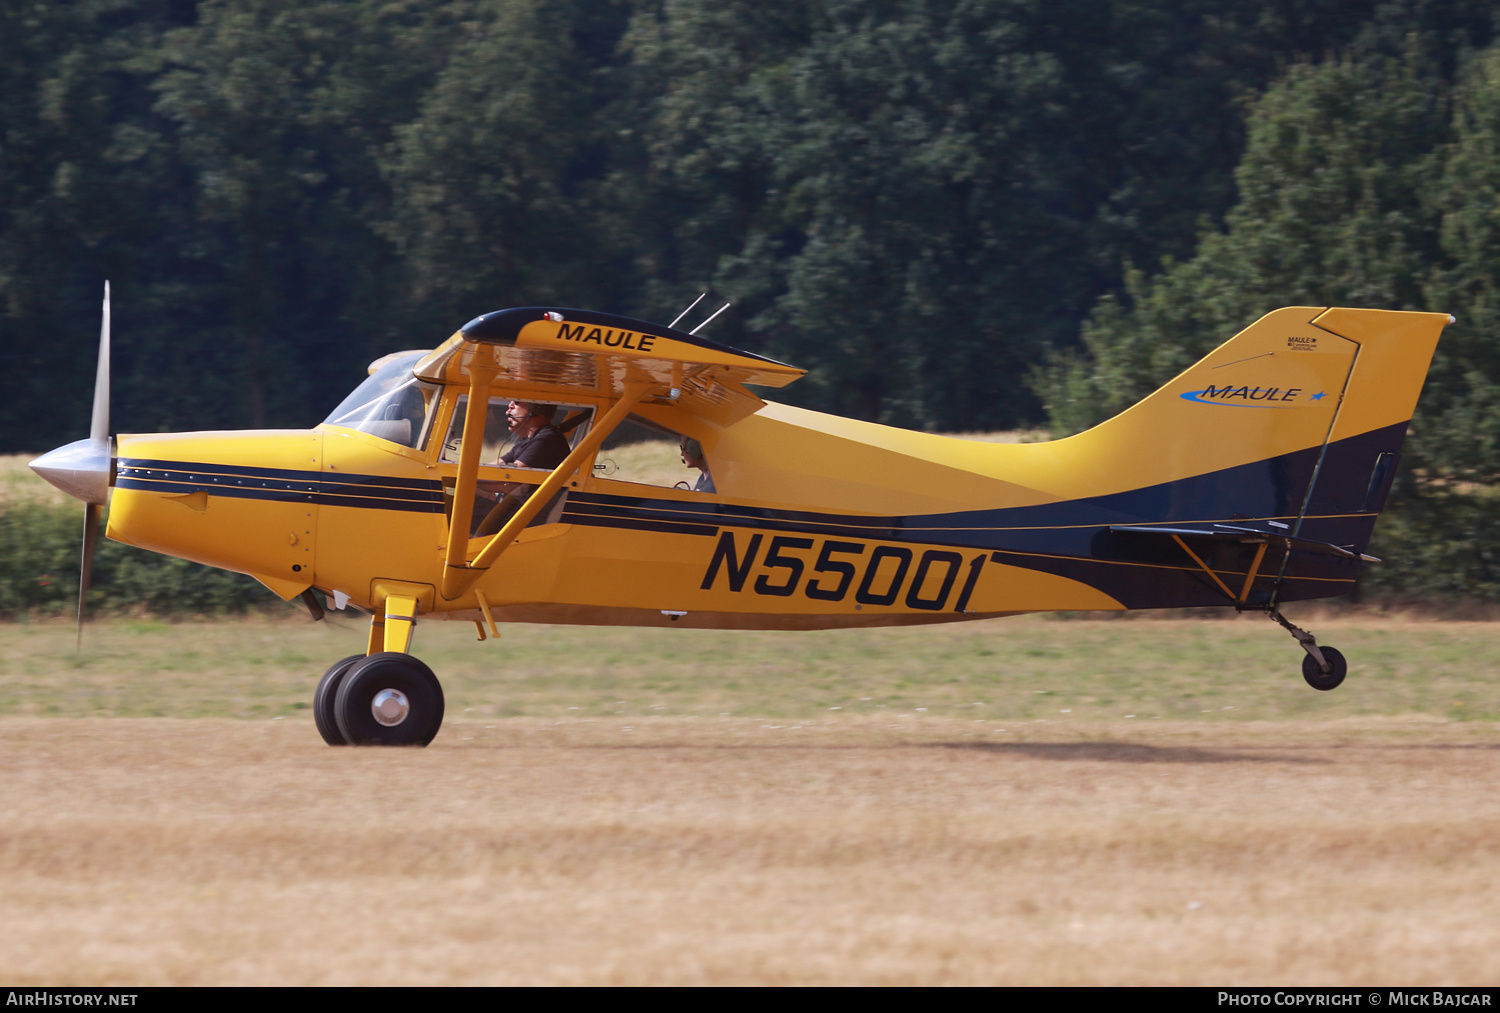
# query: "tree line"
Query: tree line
{"points": [[1366, 181], [958, 214]]}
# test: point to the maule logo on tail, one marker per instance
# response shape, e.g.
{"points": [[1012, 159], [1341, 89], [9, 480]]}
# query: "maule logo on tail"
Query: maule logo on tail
{"points": [[1252, 397]]}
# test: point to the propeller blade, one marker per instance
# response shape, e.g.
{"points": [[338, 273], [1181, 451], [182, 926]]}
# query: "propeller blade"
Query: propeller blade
{"points": [[99, 443], [91, 513], [82, 468], [99, 427]]}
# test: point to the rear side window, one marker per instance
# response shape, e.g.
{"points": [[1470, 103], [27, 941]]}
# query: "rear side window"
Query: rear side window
{"points": [[645, 453]]}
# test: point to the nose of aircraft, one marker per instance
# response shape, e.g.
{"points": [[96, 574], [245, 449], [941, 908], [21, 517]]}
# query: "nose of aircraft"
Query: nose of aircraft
{"points": [[81, 469]]}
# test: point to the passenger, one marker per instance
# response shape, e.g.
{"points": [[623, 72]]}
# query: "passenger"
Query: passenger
{"points": [[692, 457]]}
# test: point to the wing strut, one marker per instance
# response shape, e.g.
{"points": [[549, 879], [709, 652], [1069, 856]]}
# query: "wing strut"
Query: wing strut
{"points": [[458, 577], [470, 449]]}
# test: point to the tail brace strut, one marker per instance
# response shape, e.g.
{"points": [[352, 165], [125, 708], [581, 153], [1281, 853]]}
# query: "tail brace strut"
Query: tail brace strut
{"points": [[1307, 640]]}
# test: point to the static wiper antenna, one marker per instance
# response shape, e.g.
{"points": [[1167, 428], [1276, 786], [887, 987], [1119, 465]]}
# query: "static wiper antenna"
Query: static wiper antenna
{"points": [[710, 320], [688, 310]]}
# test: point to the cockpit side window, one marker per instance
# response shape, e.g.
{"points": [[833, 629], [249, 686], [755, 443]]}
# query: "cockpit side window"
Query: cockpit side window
{"points": [[392, 404], [519, 436], [572, 422]]}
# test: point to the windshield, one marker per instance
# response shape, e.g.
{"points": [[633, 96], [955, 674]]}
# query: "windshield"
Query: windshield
{"points": [[392, 404]]}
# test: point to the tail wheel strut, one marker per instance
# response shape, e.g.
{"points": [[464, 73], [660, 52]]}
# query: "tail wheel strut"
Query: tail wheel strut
{"points": [[1324, 668]]}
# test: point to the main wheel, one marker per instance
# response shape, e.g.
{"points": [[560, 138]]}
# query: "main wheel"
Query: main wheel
{"points": [[323, 699], [1319, 679], [389, 699]]}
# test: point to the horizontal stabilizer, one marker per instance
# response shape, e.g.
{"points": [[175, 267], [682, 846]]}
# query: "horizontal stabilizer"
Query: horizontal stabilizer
{"points": [[1247, 536]]}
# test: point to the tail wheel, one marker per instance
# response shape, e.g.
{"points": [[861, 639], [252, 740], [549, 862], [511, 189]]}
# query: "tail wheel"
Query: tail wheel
{"points": [[1319, 679], [389, 699], [324, 697]]}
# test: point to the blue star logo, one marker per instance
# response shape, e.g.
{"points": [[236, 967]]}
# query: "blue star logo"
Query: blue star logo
{"points": [[1317, 397]]}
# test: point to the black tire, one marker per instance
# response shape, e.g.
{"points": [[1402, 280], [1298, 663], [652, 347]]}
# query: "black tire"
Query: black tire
{"points": [[1317, 678], [419, 710], [324, 697]]}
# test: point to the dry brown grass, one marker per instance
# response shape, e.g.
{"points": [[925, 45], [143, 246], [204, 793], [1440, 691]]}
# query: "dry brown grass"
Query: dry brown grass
{"points": [[720, 850]]}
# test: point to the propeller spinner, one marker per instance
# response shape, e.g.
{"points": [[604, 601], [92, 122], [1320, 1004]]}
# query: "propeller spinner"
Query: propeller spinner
{"points": [[82, 468]]}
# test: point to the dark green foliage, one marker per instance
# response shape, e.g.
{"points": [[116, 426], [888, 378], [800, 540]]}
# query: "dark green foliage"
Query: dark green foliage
{"points": [[278, 114], [39, 555], [39, 558], [1367, 181], [496, 178], [917, 199], [913, 198], [1330, 213]]}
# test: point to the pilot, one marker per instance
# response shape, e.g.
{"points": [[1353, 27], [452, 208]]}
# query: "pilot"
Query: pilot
{"points": [[539, 444], [692, 457]]}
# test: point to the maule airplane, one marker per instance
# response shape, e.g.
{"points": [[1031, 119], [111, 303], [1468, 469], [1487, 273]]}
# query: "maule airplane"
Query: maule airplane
{"points": [[1252, 479]]}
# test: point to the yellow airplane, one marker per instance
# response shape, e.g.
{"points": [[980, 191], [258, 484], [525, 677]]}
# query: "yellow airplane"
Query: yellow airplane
{"points": [[1252, 479]]}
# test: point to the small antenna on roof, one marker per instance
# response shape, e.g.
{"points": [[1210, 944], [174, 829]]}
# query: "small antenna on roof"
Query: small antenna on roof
{"points": [[710, 320], [688, 310]]}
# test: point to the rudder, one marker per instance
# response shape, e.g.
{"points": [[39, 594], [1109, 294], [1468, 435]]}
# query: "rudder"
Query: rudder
{"points": [[1293, 426]]}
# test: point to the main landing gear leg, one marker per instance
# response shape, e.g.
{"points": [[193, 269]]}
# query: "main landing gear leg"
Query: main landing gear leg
{"points": [[1324, 668], [384, 698]]}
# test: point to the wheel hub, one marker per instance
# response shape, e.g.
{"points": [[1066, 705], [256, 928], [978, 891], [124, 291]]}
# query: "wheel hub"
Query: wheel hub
{"points": [[390, 707]]}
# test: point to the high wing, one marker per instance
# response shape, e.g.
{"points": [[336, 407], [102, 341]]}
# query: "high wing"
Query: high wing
{"points": [[580, 352], [570, 351]]}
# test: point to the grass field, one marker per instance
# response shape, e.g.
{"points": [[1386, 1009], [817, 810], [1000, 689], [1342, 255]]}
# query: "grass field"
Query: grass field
{"points": [[1035, 801], [1049, 800], [1066, 671], [686, 852]]}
